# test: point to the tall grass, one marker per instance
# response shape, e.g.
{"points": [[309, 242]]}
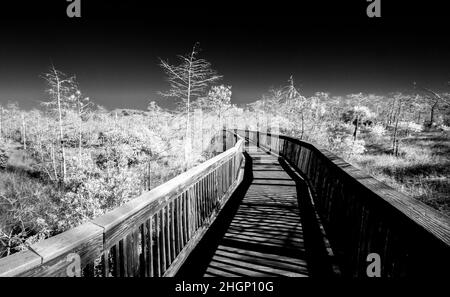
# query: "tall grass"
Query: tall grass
{"points": [[421, 170]]}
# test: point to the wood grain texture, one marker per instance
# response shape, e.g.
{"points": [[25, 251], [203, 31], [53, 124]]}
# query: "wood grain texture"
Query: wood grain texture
{"points": [[362, 215], [19, 263], [85, 240]]}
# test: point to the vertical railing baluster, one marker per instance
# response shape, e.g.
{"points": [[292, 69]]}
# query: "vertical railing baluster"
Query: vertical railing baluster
{"points": [[198, 196], [216, 192], [179, 224], [204, 195], [158, 250], [194, 207], [105, 262], [163, 242], [115, 261], [183, 221], [172, 230], [185, 218], [143, 256], [175, 223], [149, 238], [167, 236], [123, 258]]}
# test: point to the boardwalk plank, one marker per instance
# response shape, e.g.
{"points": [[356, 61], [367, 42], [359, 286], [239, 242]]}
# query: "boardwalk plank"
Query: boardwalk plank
{"points": [[265, 235]]}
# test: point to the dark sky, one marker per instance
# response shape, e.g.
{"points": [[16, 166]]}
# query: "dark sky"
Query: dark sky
{"points": [[113, 48]]}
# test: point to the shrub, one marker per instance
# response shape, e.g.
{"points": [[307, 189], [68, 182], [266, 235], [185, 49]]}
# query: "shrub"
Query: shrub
{"points": [[377, 131]]}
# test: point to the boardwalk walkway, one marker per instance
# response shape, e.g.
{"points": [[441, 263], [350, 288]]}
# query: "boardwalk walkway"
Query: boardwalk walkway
{"points": [[261, 231]]}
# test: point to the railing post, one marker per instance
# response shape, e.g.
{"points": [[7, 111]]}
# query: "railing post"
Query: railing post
{"points": [[224, 138], [247, 137], [257, 134], [275, 129]]}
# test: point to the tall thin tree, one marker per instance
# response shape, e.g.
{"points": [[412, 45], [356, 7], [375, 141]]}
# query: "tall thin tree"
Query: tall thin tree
{"points": [[60, 88], [82, 107], [188, 81]]}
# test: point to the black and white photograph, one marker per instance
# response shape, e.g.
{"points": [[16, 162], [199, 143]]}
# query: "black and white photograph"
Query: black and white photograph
{"points": [[226, 146]]}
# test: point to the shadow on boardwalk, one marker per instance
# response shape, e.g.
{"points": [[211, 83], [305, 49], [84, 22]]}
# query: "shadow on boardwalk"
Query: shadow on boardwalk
{"points": [[267, 228]]}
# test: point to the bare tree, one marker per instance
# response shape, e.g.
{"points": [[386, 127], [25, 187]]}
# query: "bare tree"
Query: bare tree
{"points": [[82, 107], [218, 100], [295, 103], [60, 89], [433, 101], [188, 80], [403, 104]]}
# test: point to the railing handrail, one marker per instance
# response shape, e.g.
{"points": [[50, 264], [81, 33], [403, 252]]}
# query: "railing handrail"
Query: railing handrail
{"points": [[332, 178], [436, 222], [362, 215], [93, 233], [164, 191]]}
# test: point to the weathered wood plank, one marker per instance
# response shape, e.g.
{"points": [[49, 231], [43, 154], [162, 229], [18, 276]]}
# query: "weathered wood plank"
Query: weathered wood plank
{"points": [[162, 242], [179, 226], [115, 261], [173, 251], [157, 250], [122, 258], [144, 259], [150, 257], [105, 263], [19, 263], [86, 241]]}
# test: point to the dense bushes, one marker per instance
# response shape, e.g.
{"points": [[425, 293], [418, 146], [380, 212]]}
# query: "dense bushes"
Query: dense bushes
{"points": [[109, 158]]}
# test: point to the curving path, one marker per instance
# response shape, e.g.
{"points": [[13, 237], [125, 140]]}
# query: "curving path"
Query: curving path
{"points": [[260, 232]]}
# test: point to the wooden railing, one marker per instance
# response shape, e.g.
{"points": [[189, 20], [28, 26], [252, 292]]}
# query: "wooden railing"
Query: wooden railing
{"points": [[362, 215], [151, 235]]}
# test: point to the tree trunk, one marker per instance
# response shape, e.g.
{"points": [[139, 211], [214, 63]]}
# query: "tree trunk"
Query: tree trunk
{"points": [[433, 107], [52, 155], [391, 113], [149, 175], [80, 140], [356, 128], [61, 134], [24, 133], [395, 141], [396, 147], [187, 149]]}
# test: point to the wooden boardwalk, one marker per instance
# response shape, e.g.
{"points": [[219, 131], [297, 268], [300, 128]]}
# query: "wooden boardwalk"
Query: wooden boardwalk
{"points": [[260, 233], [269, 223]]}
